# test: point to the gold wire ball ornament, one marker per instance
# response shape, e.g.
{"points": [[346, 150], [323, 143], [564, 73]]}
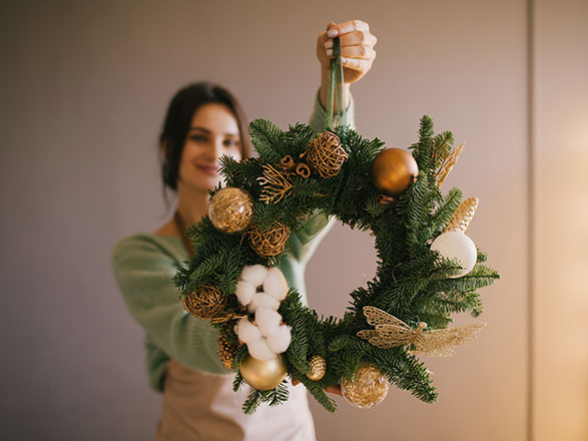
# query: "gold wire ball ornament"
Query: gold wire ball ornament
{"points": [[326, 155], [393, 170], [269, 242], [368, 387], [263, 375], [463, 216], [230, 210], [206, 302], [318, 367]]}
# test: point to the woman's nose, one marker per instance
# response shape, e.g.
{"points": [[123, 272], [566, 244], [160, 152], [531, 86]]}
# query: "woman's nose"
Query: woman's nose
{"points": [[217, 148]]}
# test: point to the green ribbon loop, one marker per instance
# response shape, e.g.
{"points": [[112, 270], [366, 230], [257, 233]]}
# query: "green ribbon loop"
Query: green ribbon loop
{"points": [[336, 91]]}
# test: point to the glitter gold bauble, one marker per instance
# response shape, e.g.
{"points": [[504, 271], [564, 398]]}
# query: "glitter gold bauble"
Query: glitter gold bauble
{"points": [[206, 302], [263, 375], [368, 387], [318, 367], [271, 241], [393, 170], [230, 210], [325, 155]]}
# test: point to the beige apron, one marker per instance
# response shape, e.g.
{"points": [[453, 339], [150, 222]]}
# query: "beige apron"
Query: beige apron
{"points": [[202, 406]]}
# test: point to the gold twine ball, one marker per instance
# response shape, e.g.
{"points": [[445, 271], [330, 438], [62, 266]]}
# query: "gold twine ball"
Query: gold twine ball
{"points": [[325, 155], [206, 302], [230, 210], [318, 367], [368, 387], [226, 351], [269, 242], [263, 375], [393, 170]]}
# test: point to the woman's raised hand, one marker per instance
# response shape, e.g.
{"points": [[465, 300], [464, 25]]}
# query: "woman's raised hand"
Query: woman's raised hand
{"points": [[357, 48]]}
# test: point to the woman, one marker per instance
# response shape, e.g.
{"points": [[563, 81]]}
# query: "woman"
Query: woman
{"points": [[203, 123]]}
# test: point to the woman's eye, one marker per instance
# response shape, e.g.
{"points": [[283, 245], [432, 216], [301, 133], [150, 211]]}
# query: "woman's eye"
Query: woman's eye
{"points": [[198, 138], [230, 143]]}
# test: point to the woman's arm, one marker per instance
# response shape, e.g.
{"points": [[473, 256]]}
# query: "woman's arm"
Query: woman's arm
{"points": [[357, 50], [144, 272]]}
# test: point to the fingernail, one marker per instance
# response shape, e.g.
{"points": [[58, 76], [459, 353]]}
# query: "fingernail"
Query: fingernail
{"points": [[332, 33], [343, 60], [329, 44], [329, 52]]}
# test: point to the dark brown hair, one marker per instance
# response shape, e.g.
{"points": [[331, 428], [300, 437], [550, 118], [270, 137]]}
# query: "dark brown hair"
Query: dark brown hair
{"points": [[177, 122]]}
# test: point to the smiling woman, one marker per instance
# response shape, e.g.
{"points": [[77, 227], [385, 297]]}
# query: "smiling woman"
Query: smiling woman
{"points": [[213, 133], [203, 123]]}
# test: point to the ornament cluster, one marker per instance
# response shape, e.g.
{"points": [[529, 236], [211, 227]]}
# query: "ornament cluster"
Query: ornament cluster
{"points": [[267, 334]]}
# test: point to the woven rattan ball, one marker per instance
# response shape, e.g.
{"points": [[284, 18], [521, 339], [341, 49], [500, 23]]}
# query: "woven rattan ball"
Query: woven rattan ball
{"points": [[206, 302], [325, 155], [269, 242]]}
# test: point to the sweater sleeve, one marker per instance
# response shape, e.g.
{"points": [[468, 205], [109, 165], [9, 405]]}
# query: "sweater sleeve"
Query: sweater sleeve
{"points": [[144, 271], [305, 242]]}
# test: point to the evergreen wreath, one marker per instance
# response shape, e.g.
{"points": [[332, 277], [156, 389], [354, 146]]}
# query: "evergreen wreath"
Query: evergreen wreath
{"points": [[268, 198]]}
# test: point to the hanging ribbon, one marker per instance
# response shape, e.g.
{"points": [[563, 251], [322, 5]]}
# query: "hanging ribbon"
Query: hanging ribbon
{"points": [[336, 91]]}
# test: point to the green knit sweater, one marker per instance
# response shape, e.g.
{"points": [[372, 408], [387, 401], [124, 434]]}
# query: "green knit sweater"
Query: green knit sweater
{"points": [[144, 265]]}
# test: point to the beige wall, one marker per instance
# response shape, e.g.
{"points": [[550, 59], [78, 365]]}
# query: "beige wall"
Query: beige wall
{"points": [[560, 184], [84, 89]]}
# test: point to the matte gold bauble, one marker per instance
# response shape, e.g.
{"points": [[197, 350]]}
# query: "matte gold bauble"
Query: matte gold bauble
{"points": [[230, 210], [263, 375], [318, 367], [368, 387], [393, 170]]}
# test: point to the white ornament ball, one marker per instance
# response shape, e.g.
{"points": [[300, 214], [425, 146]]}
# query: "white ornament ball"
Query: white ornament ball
{"points": [[254, 274], [247, 331], [268, 321], [280, 341], [275, 284], [262, 300], [456, 245], [259, 350]]}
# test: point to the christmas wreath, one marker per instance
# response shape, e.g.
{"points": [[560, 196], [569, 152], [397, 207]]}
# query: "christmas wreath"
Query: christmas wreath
{"points": [[427, 267]]}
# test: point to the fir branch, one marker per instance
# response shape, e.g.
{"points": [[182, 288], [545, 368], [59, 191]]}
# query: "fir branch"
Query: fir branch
{"points": [[253, 401], [266, 138]]}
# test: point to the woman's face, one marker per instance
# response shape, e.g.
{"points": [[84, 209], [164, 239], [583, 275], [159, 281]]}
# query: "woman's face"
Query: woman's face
{"points": [[214, 132]]}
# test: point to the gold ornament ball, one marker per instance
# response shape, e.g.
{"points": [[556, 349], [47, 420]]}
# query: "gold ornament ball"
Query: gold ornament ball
{"points": [[263, 375], [230, 210], [318, 367], [393, 170], [368, 388]]}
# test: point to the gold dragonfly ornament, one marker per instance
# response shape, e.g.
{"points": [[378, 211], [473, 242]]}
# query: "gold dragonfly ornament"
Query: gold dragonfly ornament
{"points": [[391, 332]]}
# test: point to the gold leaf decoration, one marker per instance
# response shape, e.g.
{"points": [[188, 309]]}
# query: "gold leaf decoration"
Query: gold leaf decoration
{"points": [[463, 216]]}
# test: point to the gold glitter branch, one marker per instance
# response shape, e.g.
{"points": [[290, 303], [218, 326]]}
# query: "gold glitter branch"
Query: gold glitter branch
{"points": [[447, 165], [391, 332], [275, 185]]}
